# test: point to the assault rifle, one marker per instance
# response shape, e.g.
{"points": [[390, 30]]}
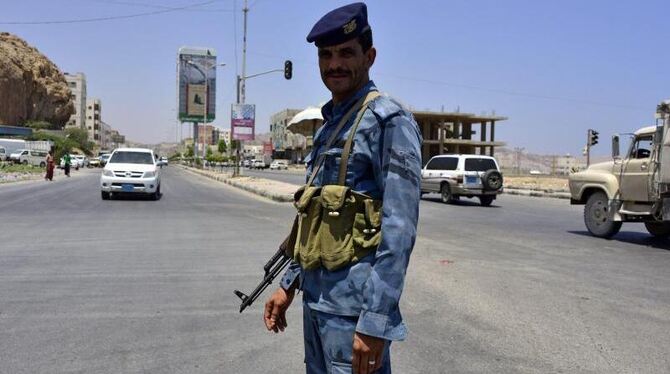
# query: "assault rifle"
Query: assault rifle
{"points": [[273, 268]]}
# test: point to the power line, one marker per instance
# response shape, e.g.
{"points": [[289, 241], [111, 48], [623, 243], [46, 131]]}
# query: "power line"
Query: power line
{"points": [[156, 6], [109, 18], [487, 89], [515, 93]]}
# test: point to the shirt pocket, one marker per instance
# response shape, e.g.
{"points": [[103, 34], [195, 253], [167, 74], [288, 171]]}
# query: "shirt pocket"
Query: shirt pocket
{"points": [[331, 166]]}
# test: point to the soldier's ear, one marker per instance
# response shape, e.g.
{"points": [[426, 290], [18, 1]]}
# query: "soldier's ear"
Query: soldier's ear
{"points": [[370, 56]]}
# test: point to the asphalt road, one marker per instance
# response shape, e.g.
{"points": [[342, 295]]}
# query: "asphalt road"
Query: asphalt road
{"points": [[140, 286]]}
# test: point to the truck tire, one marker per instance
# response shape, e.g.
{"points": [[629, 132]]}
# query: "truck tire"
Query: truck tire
{"points": [[104, 195], [492, 180], [595, 217], [445, 194], [486, 200], [658, 229]]}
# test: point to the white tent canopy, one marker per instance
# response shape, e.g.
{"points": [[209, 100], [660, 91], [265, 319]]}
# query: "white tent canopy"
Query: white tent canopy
{"points": [[310, 113]]}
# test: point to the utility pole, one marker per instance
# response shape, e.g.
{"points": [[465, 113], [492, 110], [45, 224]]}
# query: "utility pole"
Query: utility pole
{"points": [[241, 87], [517, 159]]}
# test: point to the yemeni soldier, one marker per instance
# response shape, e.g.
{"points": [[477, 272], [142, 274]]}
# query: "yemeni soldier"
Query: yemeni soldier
{"points": [[358, 213]]}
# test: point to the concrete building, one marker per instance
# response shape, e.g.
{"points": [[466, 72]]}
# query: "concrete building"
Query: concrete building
{"points": [[105, 136], [280, 136], [443, 132], [77, 84], [209, 134], [225, 135], [117, 140], [94, 121]]}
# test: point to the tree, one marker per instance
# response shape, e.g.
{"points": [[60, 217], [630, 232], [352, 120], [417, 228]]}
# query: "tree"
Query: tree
{"points": [[189, 151], [222, 146]]}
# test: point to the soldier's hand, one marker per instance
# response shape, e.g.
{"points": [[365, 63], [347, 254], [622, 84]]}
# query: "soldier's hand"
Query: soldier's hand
{"points": [[367, 353], [275, 309]]}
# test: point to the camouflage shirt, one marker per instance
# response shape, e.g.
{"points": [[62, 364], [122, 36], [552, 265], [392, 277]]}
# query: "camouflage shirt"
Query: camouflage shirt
{"points": [[385, 163]]}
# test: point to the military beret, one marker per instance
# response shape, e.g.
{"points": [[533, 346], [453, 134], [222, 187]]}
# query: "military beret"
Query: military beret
{"points": [[340, 25]]}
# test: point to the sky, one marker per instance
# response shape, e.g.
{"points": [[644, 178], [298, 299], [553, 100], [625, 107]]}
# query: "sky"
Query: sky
{"points": [[554, 68]]}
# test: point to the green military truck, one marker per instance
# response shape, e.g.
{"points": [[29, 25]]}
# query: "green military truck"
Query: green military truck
{"points": [[633, 187]]}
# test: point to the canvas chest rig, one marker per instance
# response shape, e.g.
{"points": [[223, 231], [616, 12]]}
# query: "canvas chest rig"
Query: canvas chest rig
{"points": [[336, 226]]}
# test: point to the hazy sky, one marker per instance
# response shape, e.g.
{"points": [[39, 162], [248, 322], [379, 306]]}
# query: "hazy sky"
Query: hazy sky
{"points": [[555, 68]]}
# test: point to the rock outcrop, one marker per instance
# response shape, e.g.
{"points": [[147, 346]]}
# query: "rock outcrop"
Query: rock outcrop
{"points": [[32, 88]]}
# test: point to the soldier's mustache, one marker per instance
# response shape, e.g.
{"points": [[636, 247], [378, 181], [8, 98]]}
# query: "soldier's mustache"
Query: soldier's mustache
{"points": [[337, 72]]}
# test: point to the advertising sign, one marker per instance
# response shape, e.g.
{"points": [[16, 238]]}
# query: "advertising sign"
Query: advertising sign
{"points": [[243, 121], [267, 148], [192, 66]]}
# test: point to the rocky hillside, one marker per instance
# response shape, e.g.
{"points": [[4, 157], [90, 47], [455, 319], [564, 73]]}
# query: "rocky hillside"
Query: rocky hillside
{"points": [[31, 86]]}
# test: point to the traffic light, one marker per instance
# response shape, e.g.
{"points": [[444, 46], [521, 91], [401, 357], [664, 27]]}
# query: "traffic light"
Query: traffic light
{"points": [[288, 69], [593, 137]]}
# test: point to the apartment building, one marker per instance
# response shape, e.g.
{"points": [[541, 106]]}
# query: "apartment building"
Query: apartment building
{"points": [[77, 84]]}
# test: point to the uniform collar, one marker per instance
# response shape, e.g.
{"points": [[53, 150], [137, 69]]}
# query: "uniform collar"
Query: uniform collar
{"points": [[330, 111]]}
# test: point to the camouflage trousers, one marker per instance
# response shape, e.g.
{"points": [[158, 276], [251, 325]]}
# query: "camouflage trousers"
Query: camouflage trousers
{"points": [[329, 343]]}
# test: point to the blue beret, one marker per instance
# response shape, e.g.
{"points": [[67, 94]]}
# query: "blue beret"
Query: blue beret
{"points": [[340, 25]]}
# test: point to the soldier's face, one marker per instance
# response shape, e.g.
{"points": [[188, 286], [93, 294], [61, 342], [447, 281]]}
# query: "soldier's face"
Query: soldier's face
{"points": [[345, 68]]}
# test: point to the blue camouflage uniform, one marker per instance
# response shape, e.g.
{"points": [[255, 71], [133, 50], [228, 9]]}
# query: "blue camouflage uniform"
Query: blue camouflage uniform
{"points": [[385, 163]]}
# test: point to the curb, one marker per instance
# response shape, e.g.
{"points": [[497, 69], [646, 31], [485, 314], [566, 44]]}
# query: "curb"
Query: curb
{"points": [[537, 193], [289, 197], [237, 184]]}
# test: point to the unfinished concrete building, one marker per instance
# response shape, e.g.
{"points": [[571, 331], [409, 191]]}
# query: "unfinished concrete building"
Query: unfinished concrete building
{"points": [[463, 133]]}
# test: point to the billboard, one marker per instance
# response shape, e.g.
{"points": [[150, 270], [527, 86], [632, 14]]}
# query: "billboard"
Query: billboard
{"points": [[192, 85], [242, 121]]}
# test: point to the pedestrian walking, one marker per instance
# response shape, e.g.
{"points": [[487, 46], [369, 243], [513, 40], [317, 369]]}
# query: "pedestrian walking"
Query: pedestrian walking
{"points": [[358, 211], [67, 161], [50, 166]]}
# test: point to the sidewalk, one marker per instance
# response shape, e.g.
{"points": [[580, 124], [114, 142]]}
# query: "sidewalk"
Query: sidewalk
{"points": [[273, 190], [283, 192]]}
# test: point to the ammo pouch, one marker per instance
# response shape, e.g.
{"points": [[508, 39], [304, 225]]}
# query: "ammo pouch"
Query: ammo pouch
{"points": [[336, 226]]}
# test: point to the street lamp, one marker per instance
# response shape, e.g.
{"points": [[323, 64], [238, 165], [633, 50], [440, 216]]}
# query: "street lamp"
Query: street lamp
{"points": [[204, 117]]}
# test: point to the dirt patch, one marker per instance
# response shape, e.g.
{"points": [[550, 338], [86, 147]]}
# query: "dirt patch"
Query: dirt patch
{"points": [[538, 183]]}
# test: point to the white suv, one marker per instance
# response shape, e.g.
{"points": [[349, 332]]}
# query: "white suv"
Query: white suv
{"points": [[131, 170], [453, 176]]}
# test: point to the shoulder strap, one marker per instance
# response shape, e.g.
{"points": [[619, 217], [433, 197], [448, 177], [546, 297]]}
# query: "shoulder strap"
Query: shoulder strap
{"points": [[347, 146], [319, 161]]}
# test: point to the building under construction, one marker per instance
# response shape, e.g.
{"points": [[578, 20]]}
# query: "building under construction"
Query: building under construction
{"points": [[463, 133], [443, 132]]}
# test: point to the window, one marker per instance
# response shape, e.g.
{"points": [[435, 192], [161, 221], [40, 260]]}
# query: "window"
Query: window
{"points": [[443, 163], [479, 164], [131, 158], [641, 148]]}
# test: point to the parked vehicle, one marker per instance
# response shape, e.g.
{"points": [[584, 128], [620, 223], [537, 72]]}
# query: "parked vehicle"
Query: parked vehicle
{"points": [[454, 176], [3, 154], [131, 170], [103, 159], [75, 163], [11, 146], [33, 157], [81, 160], [16, 156], [278, 165], [634, 187], [258, 164]]}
